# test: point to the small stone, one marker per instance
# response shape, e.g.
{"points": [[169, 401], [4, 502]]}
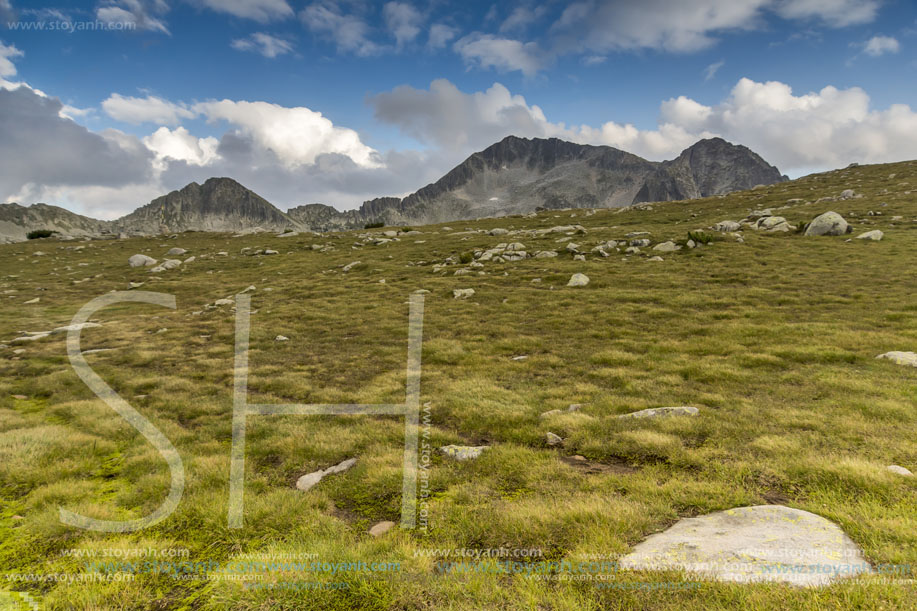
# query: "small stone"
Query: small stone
{"points": [[666, 247], [141, 261], [281, 338], [20, 397], [656, 259], [223, 302], [578, 280], [307, 481], [271, 252], [550, 413], [381, 528], [579, 458], [875, 235], [900, 470], [575, 407], [727, 226], [31, 301], [656, 412], [462, 293], [553, 440], [174, 252], [462, 453], [350, 266], [579, 258]]}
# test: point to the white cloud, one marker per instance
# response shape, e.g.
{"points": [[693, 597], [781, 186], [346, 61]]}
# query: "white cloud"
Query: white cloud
{"points": [[150, 109], [179, 144], [835, 13], [349, 32], [502, 54], [521, 18], [265, 44], [440, 35], [138, 12], [297, 136], [880, 45], [403, 21], [7, 54], [257, 10], [818, 130], [711, 70]]}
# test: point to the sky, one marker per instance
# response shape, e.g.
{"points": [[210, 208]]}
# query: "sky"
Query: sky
{"points": [[107, 104]]}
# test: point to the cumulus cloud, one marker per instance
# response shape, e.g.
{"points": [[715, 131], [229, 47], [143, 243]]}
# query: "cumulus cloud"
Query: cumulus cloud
{"points": [[521, 18], [150, 109], [502, 54], [875, 46], [7, 54], [818, 130], [835, 13], [403, 21], [40, 147], [144, 14], [349, 32], [180, 145], [265, 44], [297, 136], [257, 10]]}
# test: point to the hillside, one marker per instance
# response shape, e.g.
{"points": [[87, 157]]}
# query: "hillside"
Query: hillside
{"points": [[770, 334], [17, 221]]}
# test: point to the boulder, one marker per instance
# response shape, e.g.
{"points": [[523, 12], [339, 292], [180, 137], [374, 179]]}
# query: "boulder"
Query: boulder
{"points": [[829, 223], [727, 226], [763, 543], [141, 261], [578, 280], [900, 358], [666, 247], [170, 264]]}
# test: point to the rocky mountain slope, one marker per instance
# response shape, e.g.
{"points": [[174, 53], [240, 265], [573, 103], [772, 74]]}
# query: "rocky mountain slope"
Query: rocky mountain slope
{"points": [[514, 176], [519, 175], [17, 221], [220, 204]]}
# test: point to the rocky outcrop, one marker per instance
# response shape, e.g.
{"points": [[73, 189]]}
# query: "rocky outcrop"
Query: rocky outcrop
{"points": [[17, 221]]}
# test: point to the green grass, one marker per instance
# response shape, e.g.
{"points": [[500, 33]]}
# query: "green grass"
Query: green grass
{"points": [[772, 339]]}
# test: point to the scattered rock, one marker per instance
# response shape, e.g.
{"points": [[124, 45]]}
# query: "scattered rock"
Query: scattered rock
{"points": [[223, 302], [900, 470], [350, 266], [546, 254], [462, 293], [461, 453], [753, 544], [641, 243], [727, 226], [271, 252], [381, 528], [900, 358], [141, 261], [170, 264], [174, 252], [578, 280], [666, 247], [31, 301], [848, 194], [281, 338], [656, 259], [772, 223], [875, 235], [499, 231], [307, 481], [553, 440], [76, 327], [549, 413], [829, 223], [20, 397], [655, 412]]}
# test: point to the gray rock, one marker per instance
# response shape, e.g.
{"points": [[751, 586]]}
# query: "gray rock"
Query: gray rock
{"points": [[900, 470], [546, 254], [462, 453], [829, 223], [875, 235], [764, 543], [900, 358], [727, 226], [222, 302], [170, 264], [462, 293], [640, 243], [499, 231], [174, 252], [656, 259], [578, 280], [76, 327], [307, 481], [667, 247], [350, 266], [271, 252], [553, 440], [281, 338], [141, 261], [848, 194], [32, 301], [656, 412], [772, 223]]}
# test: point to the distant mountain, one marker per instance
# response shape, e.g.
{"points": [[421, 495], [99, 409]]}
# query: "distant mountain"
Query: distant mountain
{"points": [[17, 221], [519, 175], [220, 204], [514, 176]]}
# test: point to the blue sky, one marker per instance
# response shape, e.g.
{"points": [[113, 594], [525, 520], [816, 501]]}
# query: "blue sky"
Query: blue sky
{"points": [[341, 101]]}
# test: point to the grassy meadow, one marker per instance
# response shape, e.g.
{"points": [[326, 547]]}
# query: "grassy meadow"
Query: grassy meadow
{"points": [[773, 339]]}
